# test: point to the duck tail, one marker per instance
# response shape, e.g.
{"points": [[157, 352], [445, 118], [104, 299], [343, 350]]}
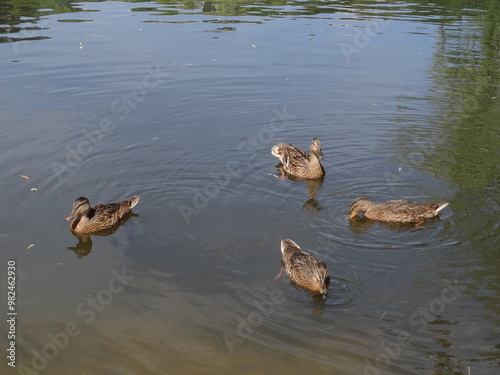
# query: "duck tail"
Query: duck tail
{"points": [[287, 244], [441, 206]]}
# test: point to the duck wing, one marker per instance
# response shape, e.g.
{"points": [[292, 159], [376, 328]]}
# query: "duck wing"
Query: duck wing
{"points": [[404, 211], [292, 157]]}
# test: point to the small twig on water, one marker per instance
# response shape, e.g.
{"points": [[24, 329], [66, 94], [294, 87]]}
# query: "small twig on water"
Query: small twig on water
{"points": [[187, 234]]}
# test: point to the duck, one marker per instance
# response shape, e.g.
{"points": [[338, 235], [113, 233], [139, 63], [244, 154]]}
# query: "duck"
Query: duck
{"points": [[303, 269], [87, 219], [298, 163], [397, 211]]}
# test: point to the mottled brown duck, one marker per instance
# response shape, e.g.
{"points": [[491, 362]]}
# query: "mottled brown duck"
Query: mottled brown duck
{"points": [[303, 269], [298, 163], [397, 211], [87, 219]]}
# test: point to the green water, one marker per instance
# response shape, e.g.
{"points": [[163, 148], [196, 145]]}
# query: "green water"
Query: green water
{"points": [[180, 103]]}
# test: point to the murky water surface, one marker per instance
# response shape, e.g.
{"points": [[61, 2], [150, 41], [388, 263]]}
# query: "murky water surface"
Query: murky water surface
{"points": [[180, 103]]}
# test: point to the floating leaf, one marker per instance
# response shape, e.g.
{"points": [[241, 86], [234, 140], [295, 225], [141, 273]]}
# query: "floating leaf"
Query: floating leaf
{"points": [[23, 176], [30, 246], [34, 189]]}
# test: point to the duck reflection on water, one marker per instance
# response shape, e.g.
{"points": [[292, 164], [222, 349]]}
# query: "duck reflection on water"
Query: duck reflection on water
{"points": [[84, 245]]}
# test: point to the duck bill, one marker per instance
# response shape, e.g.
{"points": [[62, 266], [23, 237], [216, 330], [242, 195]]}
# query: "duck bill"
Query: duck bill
{"points": [[320, 154], [351, 215], [71, 216], [323, 288]]}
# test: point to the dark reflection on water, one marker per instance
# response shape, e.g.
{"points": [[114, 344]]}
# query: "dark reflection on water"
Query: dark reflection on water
{"points": [[84, 245], [17, 18], [361, 225], [313, 187], [313, 206], [404, 98]]}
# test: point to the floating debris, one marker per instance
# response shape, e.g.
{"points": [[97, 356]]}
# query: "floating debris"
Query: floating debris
{"points": [[34, 190], [23, 176], [30, 246]]}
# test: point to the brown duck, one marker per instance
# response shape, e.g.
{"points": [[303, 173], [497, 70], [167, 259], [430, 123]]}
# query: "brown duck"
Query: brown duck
{"points": [[87, 219], [303, 269], [298, 163], [401, 211]]}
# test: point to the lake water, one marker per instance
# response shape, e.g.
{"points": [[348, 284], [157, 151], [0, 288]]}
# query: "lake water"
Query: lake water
{"points": [[180, 103]]}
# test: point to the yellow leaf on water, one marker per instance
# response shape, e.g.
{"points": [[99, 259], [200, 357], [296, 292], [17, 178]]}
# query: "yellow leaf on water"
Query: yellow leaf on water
{"points": [[30, 246], [468, 68], [23, 176]]}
